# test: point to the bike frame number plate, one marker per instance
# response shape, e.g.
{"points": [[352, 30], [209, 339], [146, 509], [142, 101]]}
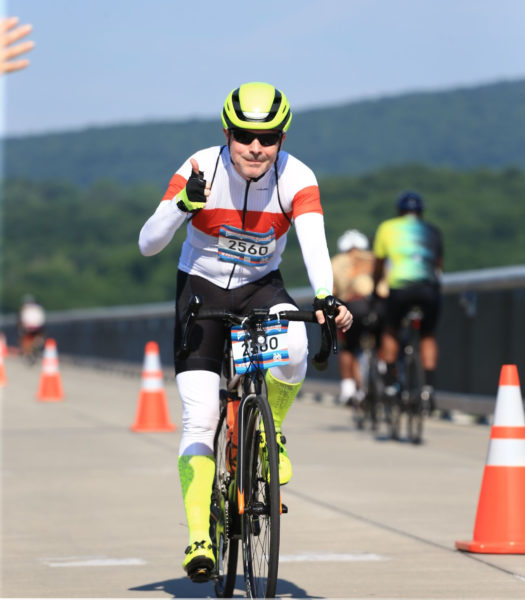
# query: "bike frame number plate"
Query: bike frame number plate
{"points": [[272, 353]]}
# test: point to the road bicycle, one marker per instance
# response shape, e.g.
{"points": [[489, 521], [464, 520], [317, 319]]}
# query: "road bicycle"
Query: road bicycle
{"points": [[246, 502], [32, 347], [407, 399], [368, 409], [411, 374]]}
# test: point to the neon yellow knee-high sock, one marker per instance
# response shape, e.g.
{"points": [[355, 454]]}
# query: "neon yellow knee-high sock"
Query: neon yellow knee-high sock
{"points": [[196, 478], [280, 397]]}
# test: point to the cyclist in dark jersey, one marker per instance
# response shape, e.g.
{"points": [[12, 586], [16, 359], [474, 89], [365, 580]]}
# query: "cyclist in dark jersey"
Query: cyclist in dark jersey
{"points": [[410, 250]]}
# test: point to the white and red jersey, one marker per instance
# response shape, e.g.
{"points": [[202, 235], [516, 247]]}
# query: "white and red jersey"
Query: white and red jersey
{"points": [[240, 234]]}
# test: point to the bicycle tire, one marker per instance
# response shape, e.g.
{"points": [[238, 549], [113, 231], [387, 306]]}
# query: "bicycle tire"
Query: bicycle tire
{"points": [[225, 545], [415, 407], [394, 411], [373, 393], [261, 517], [360, 404], [360, 412]]}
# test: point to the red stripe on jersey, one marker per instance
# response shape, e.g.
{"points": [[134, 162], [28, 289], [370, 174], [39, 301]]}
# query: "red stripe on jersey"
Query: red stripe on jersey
{"points": [[177, 183], [210, 221], [307, 200]]}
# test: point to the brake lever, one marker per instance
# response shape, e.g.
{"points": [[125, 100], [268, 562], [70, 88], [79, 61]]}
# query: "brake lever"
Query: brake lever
{"points": [[192, 313], [329, 314], [329, 335]]}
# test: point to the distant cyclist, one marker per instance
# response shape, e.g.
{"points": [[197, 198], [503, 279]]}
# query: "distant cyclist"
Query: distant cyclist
{"points": [[31, 325], [237, 202], [413, 250], [353, 268]]}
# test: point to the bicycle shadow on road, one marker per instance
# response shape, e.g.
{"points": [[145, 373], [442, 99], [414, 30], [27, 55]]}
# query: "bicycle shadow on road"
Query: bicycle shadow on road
{"points": [[288, 589], [384, 437], [184, 588], [180, 588]]}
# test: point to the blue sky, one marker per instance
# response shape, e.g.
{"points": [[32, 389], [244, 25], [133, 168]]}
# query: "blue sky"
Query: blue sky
{"points": [[101, 62]]}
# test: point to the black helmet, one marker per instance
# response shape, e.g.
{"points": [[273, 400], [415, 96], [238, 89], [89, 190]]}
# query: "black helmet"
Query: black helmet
{"points": [[410, 202]]}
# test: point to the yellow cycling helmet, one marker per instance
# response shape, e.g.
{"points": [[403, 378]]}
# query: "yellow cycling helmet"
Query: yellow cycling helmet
{"points": [[256, 106]]}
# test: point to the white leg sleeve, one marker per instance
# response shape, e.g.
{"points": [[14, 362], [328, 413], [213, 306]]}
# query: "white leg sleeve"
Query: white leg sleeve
{"points": [[295, 370], [199, 391]]}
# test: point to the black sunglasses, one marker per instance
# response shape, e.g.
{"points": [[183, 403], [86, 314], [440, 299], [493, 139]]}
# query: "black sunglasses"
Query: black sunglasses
{"points": [[247, 137]]}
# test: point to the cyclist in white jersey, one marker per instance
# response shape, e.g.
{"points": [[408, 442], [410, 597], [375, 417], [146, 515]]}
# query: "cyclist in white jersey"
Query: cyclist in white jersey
{"points": [[238, 202]]}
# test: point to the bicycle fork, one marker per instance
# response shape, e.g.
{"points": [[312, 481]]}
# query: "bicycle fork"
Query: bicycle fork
{"points": [[244, 408]]}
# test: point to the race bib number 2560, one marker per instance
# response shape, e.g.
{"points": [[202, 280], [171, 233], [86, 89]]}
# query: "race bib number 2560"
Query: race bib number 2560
{"points": [[248, 248]]}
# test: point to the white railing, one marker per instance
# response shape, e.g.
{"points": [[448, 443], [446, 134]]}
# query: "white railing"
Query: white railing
{"points": [[499, 278]]}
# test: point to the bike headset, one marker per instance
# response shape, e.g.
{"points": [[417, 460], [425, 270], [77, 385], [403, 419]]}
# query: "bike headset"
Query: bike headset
{"points": [[256, 106], [410, 202]]}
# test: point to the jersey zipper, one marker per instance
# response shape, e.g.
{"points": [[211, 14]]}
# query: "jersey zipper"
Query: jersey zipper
{"points": [[244, 209]]}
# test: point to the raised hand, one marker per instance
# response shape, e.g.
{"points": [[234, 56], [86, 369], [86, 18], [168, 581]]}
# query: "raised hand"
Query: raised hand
{"points": [[9, 35], [193, 197]]}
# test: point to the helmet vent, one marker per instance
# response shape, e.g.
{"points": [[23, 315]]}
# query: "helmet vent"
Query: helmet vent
{"points": [[257, 116]]}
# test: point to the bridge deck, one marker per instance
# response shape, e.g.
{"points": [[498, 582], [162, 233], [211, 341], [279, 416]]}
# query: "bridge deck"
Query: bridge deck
{"points": [[93, 510]]}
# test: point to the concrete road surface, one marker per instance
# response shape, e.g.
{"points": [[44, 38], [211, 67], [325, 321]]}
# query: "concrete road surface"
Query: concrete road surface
{"points": [[91, 509]]}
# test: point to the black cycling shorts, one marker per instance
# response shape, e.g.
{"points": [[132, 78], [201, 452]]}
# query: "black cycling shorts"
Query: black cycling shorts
{"points": [[367, 319], [400, 301], [208, 337]]}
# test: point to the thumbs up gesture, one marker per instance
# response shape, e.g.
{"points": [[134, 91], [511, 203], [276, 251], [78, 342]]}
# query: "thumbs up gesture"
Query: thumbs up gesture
{"points": [[193, 197]]}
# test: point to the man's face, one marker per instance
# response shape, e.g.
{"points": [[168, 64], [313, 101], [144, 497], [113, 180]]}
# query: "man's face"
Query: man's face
{"points": [[250, 157]]}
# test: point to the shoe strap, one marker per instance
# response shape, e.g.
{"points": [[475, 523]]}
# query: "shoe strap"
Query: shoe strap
{"points": [[198, 545]]}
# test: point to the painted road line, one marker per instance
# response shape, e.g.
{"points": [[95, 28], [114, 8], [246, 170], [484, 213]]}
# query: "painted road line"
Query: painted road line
{"points": [[330, 557], [92, 561]]}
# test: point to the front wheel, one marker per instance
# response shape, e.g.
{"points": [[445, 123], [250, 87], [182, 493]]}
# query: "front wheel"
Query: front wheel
{"points": [[261, 518], [222, 519]]}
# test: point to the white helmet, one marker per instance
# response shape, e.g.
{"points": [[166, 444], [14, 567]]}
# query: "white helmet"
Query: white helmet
{"points": [[352, 239]]}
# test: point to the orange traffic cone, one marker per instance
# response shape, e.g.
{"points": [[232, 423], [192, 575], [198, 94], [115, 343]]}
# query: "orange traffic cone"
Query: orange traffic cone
{"points": [[50, 386], [3, 378], [500, 520], [152, 409], [3, 344]]}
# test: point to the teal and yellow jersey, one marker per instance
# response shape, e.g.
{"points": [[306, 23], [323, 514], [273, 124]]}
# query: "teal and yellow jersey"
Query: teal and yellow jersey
{"points": [[412, 247]]}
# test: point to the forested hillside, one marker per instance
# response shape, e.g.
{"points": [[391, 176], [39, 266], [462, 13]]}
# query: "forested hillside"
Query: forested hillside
{"points": [[76, 246], [74, 202], [461, 129]]}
